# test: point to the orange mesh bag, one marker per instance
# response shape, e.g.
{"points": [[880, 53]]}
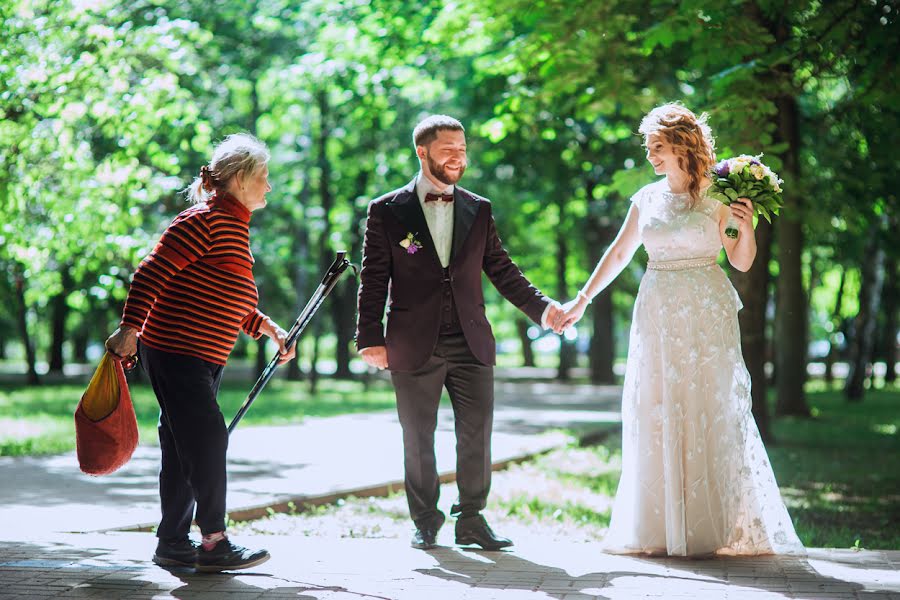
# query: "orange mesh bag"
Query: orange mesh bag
{"points": [[106, 432]]}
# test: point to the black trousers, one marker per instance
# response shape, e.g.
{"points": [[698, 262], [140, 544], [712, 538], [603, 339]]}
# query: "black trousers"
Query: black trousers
{"points": [[193, 439], [470, 385]]}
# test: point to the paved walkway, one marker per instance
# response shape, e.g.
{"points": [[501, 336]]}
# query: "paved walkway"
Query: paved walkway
{"points": [[114, 566], [318, 460], [57, 538]]}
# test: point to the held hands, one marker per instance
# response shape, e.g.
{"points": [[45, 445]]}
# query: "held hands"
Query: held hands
{"points": [[569, 314], [375, 356], [278, 335], [122, 342]]}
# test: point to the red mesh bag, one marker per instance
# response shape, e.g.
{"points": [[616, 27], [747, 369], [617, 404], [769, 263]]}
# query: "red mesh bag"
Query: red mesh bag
{"points": [[106, 432]]}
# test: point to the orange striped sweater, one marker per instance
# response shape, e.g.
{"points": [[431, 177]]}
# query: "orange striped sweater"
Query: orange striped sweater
{"points": [[195, 290]]}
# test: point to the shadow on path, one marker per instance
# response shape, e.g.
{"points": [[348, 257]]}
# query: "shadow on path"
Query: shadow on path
{"points": [[630, 576]]}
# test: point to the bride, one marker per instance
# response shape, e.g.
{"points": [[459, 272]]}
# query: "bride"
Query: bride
{"points": [[696, 479]]}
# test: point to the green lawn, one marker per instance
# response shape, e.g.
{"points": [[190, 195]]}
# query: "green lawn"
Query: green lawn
{"points": [[38, 420], [840, 470]]}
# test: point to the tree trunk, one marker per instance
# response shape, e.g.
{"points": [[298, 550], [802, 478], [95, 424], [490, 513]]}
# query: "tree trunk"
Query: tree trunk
{"points": [[890, 299], [522, 326], [300, 255], [566, 348], [836, 327], [314, 363], [602, 351], [59, 314], [791, 303], [753, 287], [22, 323], [869, 300], [343, 306]]}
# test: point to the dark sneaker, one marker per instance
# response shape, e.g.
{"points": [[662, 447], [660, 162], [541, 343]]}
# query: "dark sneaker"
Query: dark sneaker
{"points": [[226, 556], [175, 552]]}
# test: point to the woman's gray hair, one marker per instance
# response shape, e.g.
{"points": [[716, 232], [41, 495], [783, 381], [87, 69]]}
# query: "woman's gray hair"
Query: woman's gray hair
{"points": [[238, 153]]}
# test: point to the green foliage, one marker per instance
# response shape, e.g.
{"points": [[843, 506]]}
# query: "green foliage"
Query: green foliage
{"points": [[832, 499], [108, 109]]}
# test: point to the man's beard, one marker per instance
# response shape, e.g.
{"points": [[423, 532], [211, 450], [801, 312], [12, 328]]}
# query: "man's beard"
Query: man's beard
{"points": [[438, 172]]}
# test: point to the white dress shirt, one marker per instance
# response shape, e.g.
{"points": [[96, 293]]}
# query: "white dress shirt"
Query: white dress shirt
{"points": [[438, 215]]}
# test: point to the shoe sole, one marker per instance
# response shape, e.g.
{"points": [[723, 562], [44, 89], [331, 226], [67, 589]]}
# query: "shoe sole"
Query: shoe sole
{"points": [[423, 546], [220, 568], [171, 562], [470, 542]]}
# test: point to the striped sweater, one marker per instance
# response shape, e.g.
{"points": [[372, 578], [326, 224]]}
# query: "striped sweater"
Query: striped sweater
{"points": [[195, 290]]}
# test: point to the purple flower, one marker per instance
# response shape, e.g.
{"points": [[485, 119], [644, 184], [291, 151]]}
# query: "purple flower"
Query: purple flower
{"points": [[412, 249], [722, 168], [754, 161]]}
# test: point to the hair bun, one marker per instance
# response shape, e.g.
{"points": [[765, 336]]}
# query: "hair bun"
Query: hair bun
{"points": [[206, 178]]}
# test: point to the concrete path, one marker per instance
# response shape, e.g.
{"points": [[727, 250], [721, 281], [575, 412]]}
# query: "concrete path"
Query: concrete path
{"points": [[316, 461], [114, 566], [56, 538]]}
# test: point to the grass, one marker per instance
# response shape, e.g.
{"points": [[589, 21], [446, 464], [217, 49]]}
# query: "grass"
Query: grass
{"points": [[38, 420], [839, 471]]}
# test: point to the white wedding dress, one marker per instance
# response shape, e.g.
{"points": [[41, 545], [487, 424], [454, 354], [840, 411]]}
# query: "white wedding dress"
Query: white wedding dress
{"points": [[695, 475]]}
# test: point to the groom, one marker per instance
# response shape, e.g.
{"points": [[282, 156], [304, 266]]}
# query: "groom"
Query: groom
{"points": [[426, 246]]}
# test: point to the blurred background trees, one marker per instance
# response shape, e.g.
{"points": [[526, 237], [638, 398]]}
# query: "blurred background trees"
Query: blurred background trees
{"points": [[108, 109]]}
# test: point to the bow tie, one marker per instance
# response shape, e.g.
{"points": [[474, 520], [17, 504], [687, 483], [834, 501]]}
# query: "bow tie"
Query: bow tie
{"points": [[438, 197]]}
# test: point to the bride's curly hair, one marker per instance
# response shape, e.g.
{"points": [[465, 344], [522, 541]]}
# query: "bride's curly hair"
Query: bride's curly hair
{"points": [[691, 140]]}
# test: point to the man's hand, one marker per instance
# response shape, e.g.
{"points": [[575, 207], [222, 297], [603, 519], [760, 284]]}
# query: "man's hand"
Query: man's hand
{"points": [[570, 314], [123, 342], [275, 333], [553, 314], [375, 356]]}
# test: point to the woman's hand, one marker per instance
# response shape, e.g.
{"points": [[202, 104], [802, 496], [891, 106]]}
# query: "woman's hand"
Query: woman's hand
{"points": [[275, 333], [742, 212], [122, 342], [570, 314]]}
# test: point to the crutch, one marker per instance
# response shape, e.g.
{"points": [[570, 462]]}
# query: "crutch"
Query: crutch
{"points": [[328, 282]]}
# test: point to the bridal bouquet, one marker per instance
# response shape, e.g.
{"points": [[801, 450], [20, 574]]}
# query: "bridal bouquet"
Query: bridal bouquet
{"points": [[746, 177]]}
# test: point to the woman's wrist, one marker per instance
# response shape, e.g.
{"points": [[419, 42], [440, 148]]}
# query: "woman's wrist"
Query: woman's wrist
{"points": [[584, 297]]}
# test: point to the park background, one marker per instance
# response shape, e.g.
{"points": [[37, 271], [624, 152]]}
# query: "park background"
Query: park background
{"points": [[110, 108]]}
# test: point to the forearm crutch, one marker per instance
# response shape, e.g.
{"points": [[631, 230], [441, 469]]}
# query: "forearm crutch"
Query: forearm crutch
{"points": [[328, 282]]}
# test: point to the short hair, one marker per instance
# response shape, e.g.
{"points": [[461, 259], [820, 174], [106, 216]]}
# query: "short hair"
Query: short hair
{"points": [[237, 153], [427, 129]]}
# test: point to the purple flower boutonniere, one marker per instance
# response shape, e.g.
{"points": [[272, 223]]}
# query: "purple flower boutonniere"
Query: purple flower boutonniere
{"points": [[411, 244]]}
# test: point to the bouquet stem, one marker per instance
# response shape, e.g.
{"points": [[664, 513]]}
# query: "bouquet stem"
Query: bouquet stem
{"points": [[731, 228]]}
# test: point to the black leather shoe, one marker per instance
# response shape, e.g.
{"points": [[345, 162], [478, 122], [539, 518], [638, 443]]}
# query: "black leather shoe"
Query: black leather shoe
{"points": [[226, 556], [175, 552], [425, 537], [475, 530]]}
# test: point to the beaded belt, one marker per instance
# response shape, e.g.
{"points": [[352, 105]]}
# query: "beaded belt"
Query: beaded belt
{"points": [[681, 265]]}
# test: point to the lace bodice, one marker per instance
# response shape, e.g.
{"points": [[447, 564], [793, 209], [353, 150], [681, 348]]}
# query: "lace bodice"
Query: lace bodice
{"points": [[672, 231]]}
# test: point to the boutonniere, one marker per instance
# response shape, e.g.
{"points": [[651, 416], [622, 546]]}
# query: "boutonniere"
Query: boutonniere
{"points": [[410, 244]]}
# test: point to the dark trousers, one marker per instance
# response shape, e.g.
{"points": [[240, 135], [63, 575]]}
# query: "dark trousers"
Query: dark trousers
{"points": [[193, 439], [470, 385]]}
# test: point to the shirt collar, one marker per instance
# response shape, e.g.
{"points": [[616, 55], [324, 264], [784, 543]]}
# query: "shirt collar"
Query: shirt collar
{"points": [[230, 204], [425, 186]]}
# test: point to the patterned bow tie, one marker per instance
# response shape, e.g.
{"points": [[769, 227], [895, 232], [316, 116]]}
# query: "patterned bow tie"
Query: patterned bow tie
{"points": [[438, 197]]}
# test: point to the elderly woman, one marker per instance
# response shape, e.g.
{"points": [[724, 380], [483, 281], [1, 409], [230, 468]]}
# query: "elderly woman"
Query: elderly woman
{"points": [[188, 299]]}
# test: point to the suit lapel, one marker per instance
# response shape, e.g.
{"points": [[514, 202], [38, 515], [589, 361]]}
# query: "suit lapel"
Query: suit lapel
{"points": [[465, 208], [408, 210]]}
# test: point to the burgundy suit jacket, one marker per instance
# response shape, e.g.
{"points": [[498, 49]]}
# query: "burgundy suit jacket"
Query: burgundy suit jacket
{"points": [[410, 283]]}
